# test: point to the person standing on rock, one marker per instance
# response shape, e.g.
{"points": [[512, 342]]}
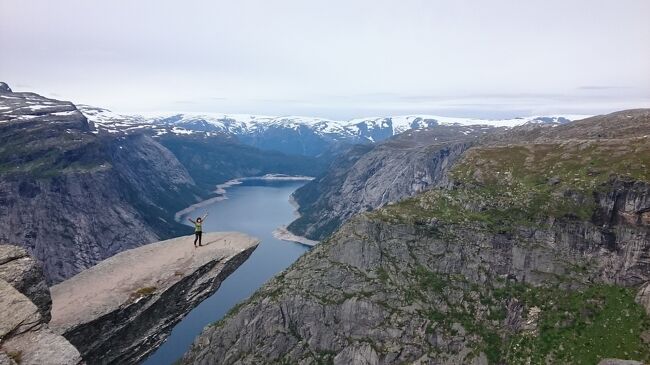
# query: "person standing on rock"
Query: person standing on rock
{"points": [[198, 229]]}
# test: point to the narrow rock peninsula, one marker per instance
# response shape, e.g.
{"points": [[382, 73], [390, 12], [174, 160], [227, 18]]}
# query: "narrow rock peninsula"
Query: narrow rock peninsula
{"points": [[124, 307]]}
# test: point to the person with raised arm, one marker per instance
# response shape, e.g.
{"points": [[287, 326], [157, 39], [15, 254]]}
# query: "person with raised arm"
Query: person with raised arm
{"points": [[198, 229]]}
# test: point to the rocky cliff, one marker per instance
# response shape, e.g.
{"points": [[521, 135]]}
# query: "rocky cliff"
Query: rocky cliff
{"points": [[25, 337], [73, 195], [368, 177], [123, 308], [536, 251]]}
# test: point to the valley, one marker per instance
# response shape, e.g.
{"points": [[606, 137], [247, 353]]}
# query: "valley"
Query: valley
{"points": [[256, 207], [325, 183], [535, 250], [74, 196], [442, 240]]}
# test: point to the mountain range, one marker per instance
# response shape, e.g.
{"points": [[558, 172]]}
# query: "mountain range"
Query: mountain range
{"points": [[291, 134]]}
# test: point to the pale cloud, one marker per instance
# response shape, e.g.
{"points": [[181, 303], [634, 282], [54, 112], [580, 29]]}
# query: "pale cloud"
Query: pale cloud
{"points": [[336, 58]]}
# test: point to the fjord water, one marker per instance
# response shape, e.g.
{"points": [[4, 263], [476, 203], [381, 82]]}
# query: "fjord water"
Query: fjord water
{"points": [[255, 207]]}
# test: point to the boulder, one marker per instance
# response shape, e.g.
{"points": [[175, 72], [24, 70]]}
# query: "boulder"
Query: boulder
{"points": [[25, 274]]}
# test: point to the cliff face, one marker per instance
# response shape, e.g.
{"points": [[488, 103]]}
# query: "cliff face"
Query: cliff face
{"points": [[73, 197], [534, 252], [368, 177], [25, 337], [124, 307]]}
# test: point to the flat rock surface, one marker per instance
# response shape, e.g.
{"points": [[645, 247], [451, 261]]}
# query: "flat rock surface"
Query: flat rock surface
{"points": [[126, 276], [42, 347]]}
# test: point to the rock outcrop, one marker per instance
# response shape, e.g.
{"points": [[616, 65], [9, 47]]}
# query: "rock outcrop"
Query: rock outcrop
{"points": [[368, 177], [26, 275], [534, 252], [619, 362], [25, 337], [124, 307]]}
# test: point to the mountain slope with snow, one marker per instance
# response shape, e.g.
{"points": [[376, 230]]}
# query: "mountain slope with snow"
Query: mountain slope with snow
{"points": [[292, 134]]}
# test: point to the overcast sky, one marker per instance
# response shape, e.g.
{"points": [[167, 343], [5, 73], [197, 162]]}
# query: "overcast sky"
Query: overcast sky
{"points": [[336, 59]]}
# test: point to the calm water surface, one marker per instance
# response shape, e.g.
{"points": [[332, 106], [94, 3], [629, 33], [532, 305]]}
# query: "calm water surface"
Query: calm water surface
{"points": [[255, 207]]}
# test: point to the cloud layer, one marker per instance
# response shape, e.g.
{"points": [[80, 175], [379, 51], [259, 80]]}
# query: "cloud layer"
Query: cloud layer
{"points": [[337, 59]]}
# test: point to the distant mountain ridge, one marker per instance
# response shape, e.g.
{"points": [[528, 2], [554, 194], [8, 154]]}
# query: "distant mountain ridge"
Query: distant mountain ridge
{"points": [[292, 134]]}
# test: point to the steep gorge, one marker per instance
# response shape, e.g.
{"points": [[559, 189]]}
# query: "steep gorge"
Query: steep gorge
{"points": [[537, 250]]}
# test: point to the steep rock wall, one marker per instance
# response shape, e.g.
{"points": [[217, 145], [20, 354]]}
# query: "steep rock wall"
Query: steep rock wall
{"points": [[368, 177]]}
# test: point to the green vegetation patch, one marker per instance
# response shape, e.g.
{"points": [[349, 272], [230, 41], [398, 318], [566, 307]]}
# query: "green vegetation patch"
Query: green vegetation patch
{"points": [[506, 187], [583, 327], [572, 165], [16, 356], [559, 326], [51, 155], [143, 292]]}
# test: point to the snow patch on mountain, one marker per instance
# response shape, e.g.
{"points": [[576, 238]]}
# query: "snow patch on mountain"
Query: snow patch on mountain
{"points": [[371, 129]]}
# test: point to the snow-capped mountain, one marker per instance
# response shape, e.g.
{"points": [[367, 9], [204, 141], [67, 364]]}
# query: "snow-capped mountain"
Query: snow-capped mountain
{"points": [[291, 134]]}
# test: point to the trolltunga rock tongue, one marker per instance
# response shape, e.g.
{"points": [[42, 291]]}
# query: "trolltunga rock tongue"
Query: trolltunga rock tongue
{"points": [[123, 308]]}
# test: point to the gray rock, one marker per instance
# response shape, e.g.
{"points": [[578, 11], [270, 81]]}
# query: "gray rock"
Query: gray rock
{"points": [[361, 354], [5, 359], [42, 347], [25, 335], [643, 297], [18, 313], [333, 298], [4, 88], [368, 177], [123, 308], [26, 275], [619, 362]]}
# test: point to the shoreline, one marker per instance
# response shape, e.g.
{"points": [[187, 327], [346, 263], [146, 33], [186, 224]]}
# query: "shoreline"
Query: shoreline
{"points": [[221, 189], [283, 234]]}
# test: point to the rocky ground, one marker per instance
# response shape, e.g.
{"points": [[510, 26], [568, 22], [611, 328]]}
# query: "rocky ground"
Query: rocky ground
{"points": [[536, 251], [25, 337], [124, 307]]}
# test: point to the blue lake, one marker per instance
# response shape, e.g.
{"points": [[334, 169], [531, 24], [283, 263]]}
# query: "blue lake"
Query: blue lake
{"points": [[255, 207]]}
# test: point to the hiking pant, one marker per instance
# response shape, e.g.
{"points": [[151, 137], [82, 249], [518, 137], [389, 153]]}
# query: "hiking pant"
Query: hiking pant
{"points": [[197, 236]]}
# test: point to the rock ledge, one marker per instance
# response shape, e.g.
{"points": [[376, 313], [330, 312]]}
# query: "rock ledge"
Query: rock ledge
{"points": [[124, 307]]}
